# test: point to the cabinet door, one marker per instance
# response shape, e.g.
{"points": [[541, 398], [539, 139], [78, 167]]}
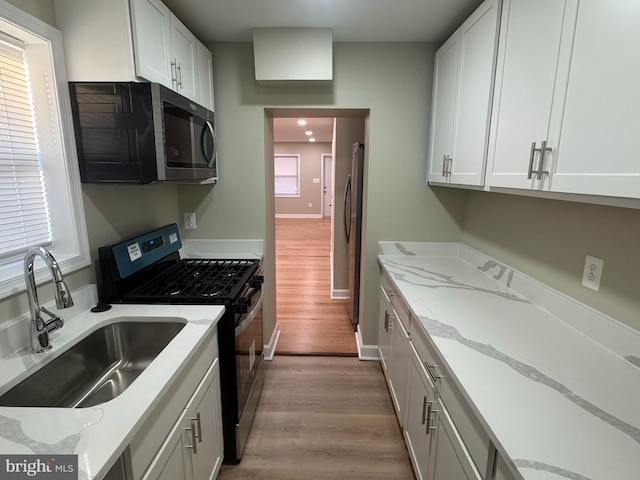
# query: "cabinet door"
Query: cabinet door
{"points": [[384, 331], [598, 151], [418, 435], [477, 38], [204, 415], [172, 462], [528, 56], [206, 407], [183, 43], [450, 459], [205, 77], [151, 25], [398, 366], [443, 107]]}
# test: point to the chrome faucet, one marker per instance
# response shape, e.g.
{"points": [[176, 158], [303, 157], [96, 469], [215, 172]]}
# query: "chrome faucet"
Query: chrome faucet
{"points": [[38, 328]]}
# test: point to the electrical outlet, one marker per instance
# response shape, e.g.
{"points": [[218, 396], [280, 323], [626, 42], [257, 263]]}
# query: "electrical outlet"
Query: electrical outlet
{"points": [[592, 272], [189, 220], [310, 204]]}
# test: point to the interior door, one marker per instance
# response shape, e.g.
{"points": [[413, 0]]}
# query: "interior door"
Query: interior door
{"points": [[327, 184]]}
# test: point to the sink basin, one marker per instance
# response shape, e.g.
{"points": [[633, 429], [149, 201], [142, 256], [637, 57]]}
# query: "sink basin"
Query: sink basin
{"points": [[96, 369]]}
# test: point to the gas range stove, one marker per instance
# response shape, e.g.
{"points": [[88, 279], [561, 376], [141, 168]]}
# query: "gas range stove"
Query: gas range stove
{"points": [[148, 269]]}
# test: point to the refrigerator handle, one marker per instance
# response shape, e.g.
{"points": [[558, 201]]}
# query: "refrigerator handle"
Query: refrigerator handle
{"points": [[346, 217]]}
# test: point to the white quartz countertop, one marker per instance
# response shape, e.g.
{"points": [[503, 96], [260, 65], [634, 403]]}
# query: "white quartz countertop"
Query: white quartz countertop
{"points": [[99, 435], [556, 402]]}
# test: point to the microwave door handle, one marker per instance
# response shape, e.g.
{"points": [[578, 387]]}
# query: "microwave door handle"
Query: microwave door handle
{"points": [[209, 159]]}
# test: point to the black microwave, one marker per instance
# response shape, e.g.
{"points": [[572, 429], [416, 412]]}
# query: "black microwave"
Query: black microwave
{"points": [[131, 132]]}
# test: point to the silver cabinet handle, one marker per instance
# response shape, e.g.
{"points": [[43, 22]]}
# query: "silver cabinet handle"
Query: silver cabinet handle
{"points": [[429, 412], [174, 74], [542, 150], [531, 155], [180, 74], [194, 444], [432, 374], [450, 158], [444, 165], [424, 409], [428, 418], [199, 424]]}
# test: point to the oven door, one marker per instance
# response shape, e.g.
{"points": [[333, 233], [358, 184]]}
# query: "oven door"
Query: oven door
{"points": [[249, 371]]}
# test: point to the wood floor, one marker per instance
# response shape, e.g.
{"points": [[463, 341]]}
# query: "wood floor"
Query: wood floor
{"points": [[322, 418], [310, 321]]}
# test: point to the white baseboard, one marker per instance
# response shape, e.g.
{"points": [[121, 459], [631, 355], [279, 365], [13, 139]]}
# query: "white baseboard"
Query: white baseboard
{"points": [[366, 352], [340, 294], [298, 215], [270, 348]]}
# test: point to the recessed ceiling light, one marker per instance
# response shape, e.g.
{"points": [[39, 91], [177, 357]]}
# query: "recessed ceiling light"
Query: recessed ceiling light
{"points": [[312, 139], [308, 133], [302, 122]]}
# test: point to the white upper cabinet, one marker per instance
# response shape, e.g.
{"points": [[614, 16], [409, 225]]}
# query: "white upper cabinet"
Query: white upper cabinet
{"points": [[598, 149], [463, 86], [531, 41], [151, 25], [205, 80], [185, 52], [133, 40], [444, 108]]}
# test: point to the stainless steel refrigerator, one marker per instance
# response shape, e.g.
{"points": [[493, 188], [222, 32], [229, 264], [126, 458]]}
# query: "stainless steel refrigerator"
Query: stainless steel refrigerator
{"points": [[353, 228]]}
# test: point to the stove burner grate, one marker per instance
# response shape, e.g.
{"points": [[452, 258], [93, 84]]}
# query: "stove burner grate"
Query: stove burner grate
{"points": [[198, 280]]}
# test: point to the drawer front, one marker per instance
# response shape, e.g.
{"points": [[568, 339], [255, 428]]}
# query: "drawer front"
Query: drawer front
{"points": [[467, 424], [399, 305]]}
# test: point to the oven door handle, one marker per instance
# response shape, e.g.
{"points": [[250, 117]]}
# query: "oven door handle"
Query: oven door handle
{"points": [[249, 316]]}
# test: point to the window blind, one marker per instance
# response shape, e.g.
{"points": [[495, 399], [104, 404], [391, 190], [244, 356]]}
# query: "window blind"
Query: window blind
{"points": [[24, 220]]}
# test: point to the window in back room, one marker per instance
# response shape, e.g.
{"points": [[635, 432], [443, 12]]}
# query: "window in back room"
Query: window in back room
{"points": [[40, 196]]}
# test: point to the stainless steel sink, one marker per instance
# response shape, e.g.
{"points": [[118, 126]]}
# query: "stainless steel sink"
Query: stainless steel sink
{"points": [[96, 369]]}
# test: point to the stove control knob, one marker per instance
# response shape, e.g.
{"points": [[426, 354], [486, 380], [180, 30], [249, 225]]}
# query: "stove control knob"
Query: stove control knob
{"points": [[257, 281]]}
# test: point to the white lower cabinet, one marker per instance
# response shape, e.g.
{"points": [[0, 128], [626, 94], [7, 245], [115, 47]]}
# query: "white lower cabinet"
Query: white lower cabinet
{"points": [[193, 449], [418, 435], [384, 332], [393, 346], [182, 438], [435, 447], [444, 437], [502, 471]]}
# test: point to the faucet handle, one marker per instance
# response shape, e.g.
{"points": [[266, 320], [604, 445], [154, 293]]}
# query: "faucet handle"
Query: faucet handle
{"points": [[54, 323]]}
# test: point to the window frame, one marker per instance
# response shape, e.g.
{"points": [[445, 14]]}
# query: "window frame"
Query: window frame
{"points": [[62, 179], [297, 176]]}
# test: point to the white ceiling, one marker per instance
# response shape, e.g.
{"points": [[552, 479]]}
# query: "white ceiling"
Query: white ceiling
{"points": [[288, 130], [351, 20]]}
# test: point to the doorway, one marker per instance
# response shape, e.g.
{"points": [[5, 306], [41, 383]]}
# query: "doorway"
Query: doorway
{"points": [[312, 301]]}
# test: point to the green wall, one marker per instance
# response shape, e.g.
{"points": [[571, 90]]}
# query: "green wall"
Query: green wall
{"points": [[549, 239], [393, 80]]}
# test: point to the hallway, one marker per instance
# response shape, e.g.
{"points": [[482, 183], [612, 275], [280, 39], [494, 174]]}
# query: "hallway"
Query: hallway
{"points": [[310, 321]]}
